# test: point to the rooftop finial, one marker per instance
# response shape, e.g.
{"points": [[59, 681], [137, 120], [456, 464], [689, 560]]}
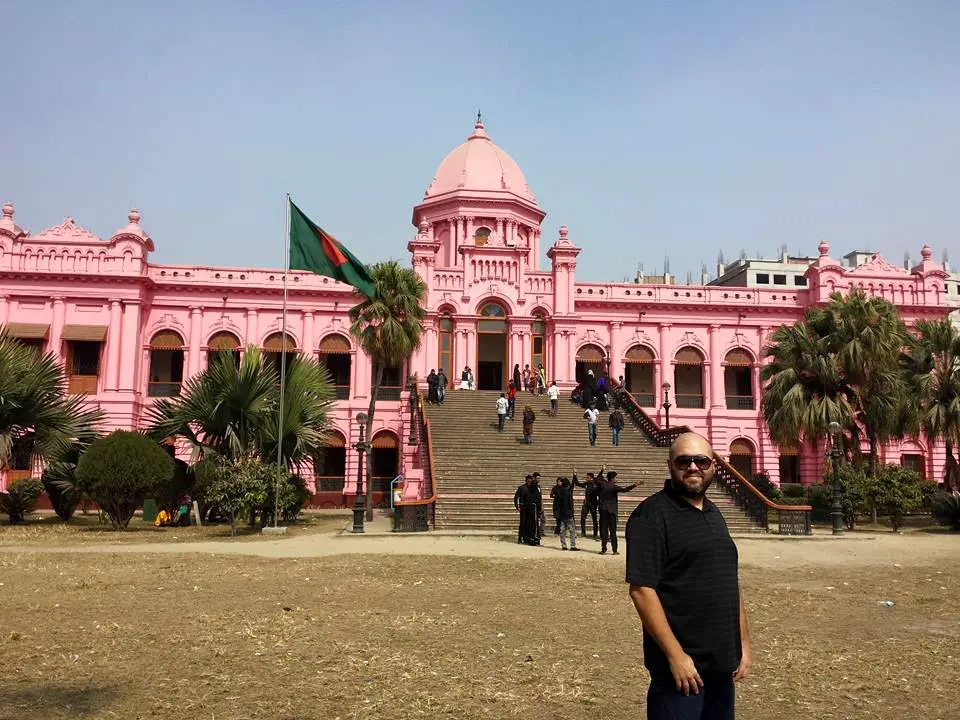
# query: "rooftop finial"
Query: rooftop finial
{"points": [[479, 118], [8, 210]]}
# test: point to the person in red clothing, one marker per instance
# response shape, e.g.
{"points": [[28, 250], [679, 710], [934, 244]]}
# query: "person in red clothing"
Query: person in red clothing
{"points": [[512, 399]]}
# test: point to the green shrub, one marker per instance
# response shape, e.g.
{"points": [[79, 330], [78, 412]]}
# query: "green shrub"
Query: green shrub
{"points": [[761, 481], [120, 471], [946, 509], [895, 490], [293, 496], [60, 481], [20, 499], [168, 496], [237, 488], [793, 490]]}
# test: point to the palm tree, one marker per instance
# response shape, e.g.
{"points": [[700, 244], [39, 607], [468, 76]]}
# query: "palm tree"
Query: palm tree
{"points": [[840, 363], [932, 371], [389, 328], [805, 387], [233, 410], [35, 407]]}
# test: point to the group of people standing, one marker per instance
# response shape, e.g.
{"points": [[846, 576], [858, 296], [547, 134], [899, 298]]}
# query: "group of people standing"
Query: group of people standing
{"points": [[601, 494]]}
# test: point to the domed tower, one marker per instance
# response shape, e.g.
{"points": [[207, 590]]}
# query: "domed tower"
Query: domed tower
{"points": [[480, 198]]}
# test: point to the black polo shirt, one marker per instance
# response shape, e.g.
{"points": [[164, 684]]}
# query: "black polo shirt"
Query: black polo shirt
{"points": [[689, 558]]}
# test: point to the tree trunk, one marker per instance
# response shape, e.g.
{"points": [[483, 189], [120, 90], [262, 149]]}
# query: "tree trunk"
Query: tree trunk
{"points": [[872, 471], [950, 472], [377, 379]]}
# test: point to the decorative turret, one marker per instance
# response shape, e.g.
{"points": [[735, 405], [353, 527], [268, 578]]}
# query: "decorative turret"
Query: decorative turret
{"points": [[7, 225], [133, 230], [563, 255]]}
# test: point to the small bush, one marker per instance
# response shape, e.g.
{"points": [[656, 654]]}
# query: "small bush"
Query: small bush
{"points": [[120, 471], [20, 499], [794, 490], [60, 481], [946, 509], [896, 490], [169, 495], [762, 482], [293, 496], [237, 488]]}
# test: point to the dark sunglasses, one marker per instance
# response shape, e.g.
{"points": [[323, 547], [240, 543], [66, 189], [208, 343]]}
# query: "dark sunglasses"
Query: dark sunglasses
{"points": [[682, 462]]}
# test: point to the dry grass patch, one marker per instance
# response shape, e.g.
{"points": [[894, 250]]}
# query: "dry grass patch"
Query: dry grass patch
{"points": [[50, 531], [132, 636]]}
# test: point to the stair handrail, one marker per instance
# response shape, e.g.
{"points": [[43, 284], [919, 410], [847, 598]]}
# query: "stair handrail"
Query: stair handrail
{"points": [[791, 519], [418, 515]]}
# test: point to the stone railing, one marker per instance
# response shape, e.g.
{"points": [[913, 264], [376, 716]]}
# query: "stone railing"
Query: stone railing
{"points": [[418, 515], [791, 519]]}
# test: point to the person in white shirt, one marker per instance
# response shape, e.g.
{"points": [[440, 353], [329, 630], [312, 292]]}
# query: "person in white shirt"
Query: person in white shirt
{"points": [[591, 414], [553, 392], [502, 405]]}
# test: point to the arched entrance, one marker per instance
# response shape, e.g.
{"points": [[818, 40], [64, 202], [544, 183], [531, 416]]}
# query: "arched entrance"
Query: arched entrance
{"points": [[741, 457], [638, 375], [738, 379], [492, 368], [688, 378], [335, 355], [384, 466], [329, 471], [590, 357], [223, 344], [279, 346]]}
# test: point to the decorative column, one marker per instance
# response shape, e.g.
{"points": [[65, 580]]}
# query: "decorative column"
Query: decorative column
{"points": [[526, 349], [571, 357], [308, 348], [3, 309], [113, 345], [460, 351], [665, 362], [131, 341], [465, 238], [196, 338], [616, 350], [471, 337], [56, 327], [251, 336], [555, 355], [717, 392]]}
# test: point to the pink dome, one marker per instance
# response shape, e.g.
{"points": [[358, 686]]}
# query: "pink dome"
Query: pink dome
{"points": [[479, 165]]}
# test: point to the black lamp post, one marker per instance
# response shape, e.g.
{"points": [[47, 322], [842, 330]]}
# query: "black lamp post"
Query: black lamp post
{"points": [[412, 387], [359, 500], [836, 452], [666, 405]]}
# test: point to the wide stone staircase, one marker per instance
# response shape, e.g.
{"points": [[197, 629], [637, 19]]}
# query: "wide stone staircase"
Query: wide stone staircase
{"points": [[477, 469]]}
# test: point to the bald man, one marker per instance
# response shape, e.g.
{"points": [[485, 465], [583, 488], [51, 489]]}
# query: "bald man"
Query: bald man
{"points": [[682, 570]]}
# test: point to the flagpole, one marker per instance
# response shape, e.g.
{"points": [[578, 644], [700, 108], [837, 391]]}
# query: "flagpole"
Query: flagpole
{"points": [[283, 358]]}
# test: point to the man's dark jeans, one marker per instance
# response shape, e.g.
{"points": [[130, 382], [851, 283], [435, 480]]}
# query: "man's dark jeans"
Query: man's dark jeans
{"points": [[715, 701]]}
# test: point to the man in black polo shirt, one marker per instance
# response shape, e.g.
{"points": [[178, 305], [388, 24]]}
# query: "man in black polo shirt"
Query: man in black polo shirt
{"points": [[682, 570]]}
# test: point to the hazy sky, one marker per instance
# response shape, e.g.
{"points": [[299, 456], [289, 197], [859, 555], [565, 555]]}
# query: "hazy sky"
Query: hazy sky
{"points": [[648, 129]]}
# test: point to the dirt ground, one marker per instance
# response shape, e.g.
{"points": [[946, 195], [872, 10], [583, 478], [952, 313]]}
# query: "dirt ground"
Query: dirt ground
{"points": [[327, 626]]}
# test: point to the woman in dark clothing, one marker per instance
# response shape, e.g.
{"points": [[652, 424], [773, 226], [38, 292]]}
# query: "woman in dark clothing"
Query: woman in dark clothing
{"points": [[528, 417], [516, 377], [433, 387]]}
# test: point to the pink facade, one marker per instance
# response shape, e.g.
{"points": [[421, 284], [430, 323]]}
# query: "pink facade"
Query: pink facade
{"points": [[138, 329]]}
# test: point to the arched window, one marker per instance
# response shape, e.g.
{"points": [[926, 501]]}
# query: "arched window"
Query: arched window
{"points": [[738, 379], [481, 237], [638, 375], [538, 345], [166, 364], [330, 469], [278, 346], [445, 354], [789, 465], [335, 355], [741, 457], [688, 378], [226, 343]]}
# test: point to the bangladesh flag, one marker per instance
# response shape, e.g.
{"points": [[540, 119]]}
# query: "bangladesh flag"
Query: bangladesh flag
{"points": [[317, 251]]}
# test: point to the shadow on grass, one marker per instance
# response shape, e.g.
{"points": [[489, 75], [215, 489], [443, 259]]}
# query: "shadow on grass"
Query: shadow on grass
{"points": [[48, 701]]}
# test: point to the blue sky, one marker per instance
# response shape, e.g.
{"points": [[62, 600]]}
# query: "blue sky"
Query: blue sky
{"points": [[650, 129]]}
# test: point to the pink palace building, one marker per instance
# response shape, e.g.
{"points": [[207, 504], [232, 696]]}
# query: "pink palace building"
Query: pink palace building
{"points": [[130, 330]]}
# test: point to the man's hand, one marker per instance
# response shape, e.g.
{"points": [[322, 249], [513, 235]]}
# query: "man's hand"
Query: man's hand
{"points": [[745, 662], [685, 674]]}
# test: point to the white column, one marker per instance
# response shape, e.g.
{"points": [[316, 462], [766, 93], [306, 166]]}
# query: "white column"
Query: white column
{"points": [[130, 338]]}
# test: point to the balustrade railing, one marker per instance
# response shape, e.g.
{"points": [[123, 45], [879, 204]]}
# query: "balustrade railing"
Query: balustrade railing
{"points": [[418, 515], [739, 402], [342, 392], [163, 389], [689, 400], [791, 519]]}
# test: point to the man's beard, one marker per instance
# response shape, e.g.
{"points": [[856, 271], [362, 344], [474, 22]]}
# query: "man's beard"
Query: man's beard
{"points": [[681, 487]]}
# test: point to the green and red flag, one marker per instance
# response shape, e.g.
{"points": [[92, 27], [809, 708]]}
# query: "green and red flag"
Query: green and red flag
{"points": [[313, 249]]}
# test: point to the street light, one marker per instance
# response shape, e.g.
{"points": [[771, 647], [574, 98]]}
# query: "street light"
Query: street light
{"points": [[359, 500], [836, 451], [666, 404]]}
